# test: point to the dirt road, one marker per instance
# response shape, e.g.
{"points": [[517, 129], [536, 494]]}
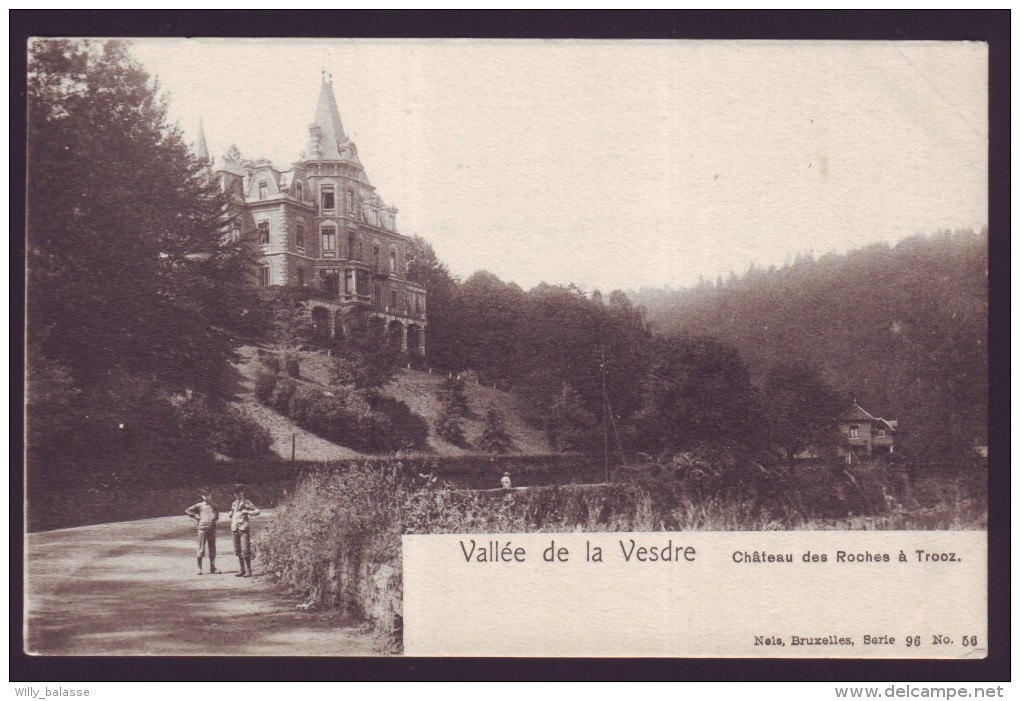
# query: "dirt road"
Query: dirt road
{"points": [[132, 589]]}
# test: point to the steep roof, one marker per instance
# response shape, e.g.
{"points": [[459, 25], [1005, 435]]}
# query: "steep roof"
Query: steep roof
{"points": [[201, 149], [327, 122], [856, 413]]}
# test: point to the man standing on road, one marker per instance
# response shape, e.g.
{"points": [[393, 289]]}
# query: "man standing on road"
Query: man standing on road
{"points": [[207, 515], [240, 511]]}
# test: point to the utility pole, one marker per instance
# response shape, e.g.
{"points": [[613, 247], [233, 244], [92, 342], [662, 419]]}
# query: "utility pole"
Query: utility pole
{"points": [[600, 358]]}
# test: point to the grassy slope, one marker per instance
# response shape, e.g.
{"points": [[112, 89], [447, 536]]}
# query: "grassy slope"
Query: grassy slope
{"points": [[417, 389]]}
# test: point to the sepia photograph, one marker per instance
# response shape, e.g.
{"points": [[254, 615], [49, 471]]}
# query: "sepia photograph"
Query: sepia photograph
{"points": [[341, 347]]}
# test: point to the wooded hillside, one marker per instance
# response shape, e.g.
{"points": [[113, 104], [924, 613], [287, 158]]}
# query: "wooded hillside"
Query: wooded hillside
{"points": [[902, 328]]}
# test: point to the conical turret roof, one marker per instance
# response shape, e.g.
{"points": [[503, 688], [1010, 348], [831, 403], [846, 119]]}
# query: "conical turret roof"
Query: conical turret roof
{"points": [[201, 149], [327, 128]]}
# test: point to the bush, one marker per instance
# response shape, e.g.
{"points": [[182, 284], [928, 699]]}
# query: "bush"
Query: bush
{"points": [[405, 430], [238, 435], [213, 426], [345, 416], [450, 428], [282, 396], [452, 396], [495, 438], [338, 416], [265, 383], [270, 361], [336, 542]]}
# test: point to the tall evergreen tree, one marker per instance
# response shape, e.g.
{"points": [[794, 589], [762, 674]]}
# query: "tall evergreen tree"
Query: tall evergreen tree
{"points": [[495, 437]]}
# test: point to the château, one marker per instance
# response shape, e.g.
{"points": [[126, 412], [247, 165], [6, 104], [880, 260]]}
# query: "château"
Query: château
{"points": [[321, 225]]}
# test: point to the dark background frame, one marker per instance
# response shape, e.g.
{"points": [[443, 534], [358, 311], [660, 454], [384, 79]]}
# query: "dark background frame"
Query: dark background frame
{"points": [[991, 26]]}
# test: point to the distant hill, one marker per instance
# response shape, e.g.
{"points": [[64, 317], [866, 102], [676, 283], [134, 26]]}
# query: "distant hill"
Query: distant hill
{"points": [[903, 329], [417, 389]]}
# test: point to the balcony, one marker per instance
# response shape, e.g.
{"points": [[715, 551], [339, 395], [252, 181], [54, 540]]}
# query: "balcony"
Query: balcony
{"points": [[323, 293]]}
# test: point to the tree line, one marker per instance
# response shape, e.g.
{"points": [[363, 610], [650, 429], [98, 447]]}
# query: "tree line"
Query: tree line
{"points": [[765, 362], [591, 372]]}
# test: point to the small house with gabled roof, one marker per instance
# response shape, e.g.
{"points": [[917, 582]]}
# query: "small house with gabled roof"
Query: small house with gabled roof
{"points": [[866, 435]]}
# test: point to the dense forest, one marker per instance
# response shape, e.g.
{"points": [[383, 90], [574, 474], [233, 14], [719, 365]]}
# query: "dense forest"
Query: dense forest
{"points": [[903, 329], [763, 360]]}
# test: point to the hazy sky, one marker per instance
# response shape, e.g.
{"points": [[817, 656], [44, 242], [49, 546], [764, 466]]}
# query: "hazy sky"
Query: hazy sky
{"points": [[617, 164]]}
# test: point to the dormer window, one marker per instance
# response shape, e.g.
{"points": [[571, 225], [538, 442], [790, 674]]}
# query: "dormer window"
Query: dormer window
{"points": [[328, 197], [263, 227], [263, 189], [299, 188], [855, 431]]}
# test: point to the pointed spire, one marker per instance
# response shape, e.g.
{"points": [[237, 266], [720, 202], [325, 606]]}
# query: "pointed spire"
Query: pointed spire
{"points": [[201, 149], [326, 134]]}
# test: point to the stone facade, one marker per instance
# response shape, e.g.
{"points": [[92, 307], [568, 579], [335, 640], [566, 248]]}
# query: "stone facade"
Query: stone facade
{"points": [[322, 226]]}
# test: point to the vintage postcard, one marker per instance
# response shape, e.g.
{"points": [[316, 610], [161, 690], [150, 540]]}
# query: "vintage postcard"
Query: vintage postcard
{"points": [[516, 348]]}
